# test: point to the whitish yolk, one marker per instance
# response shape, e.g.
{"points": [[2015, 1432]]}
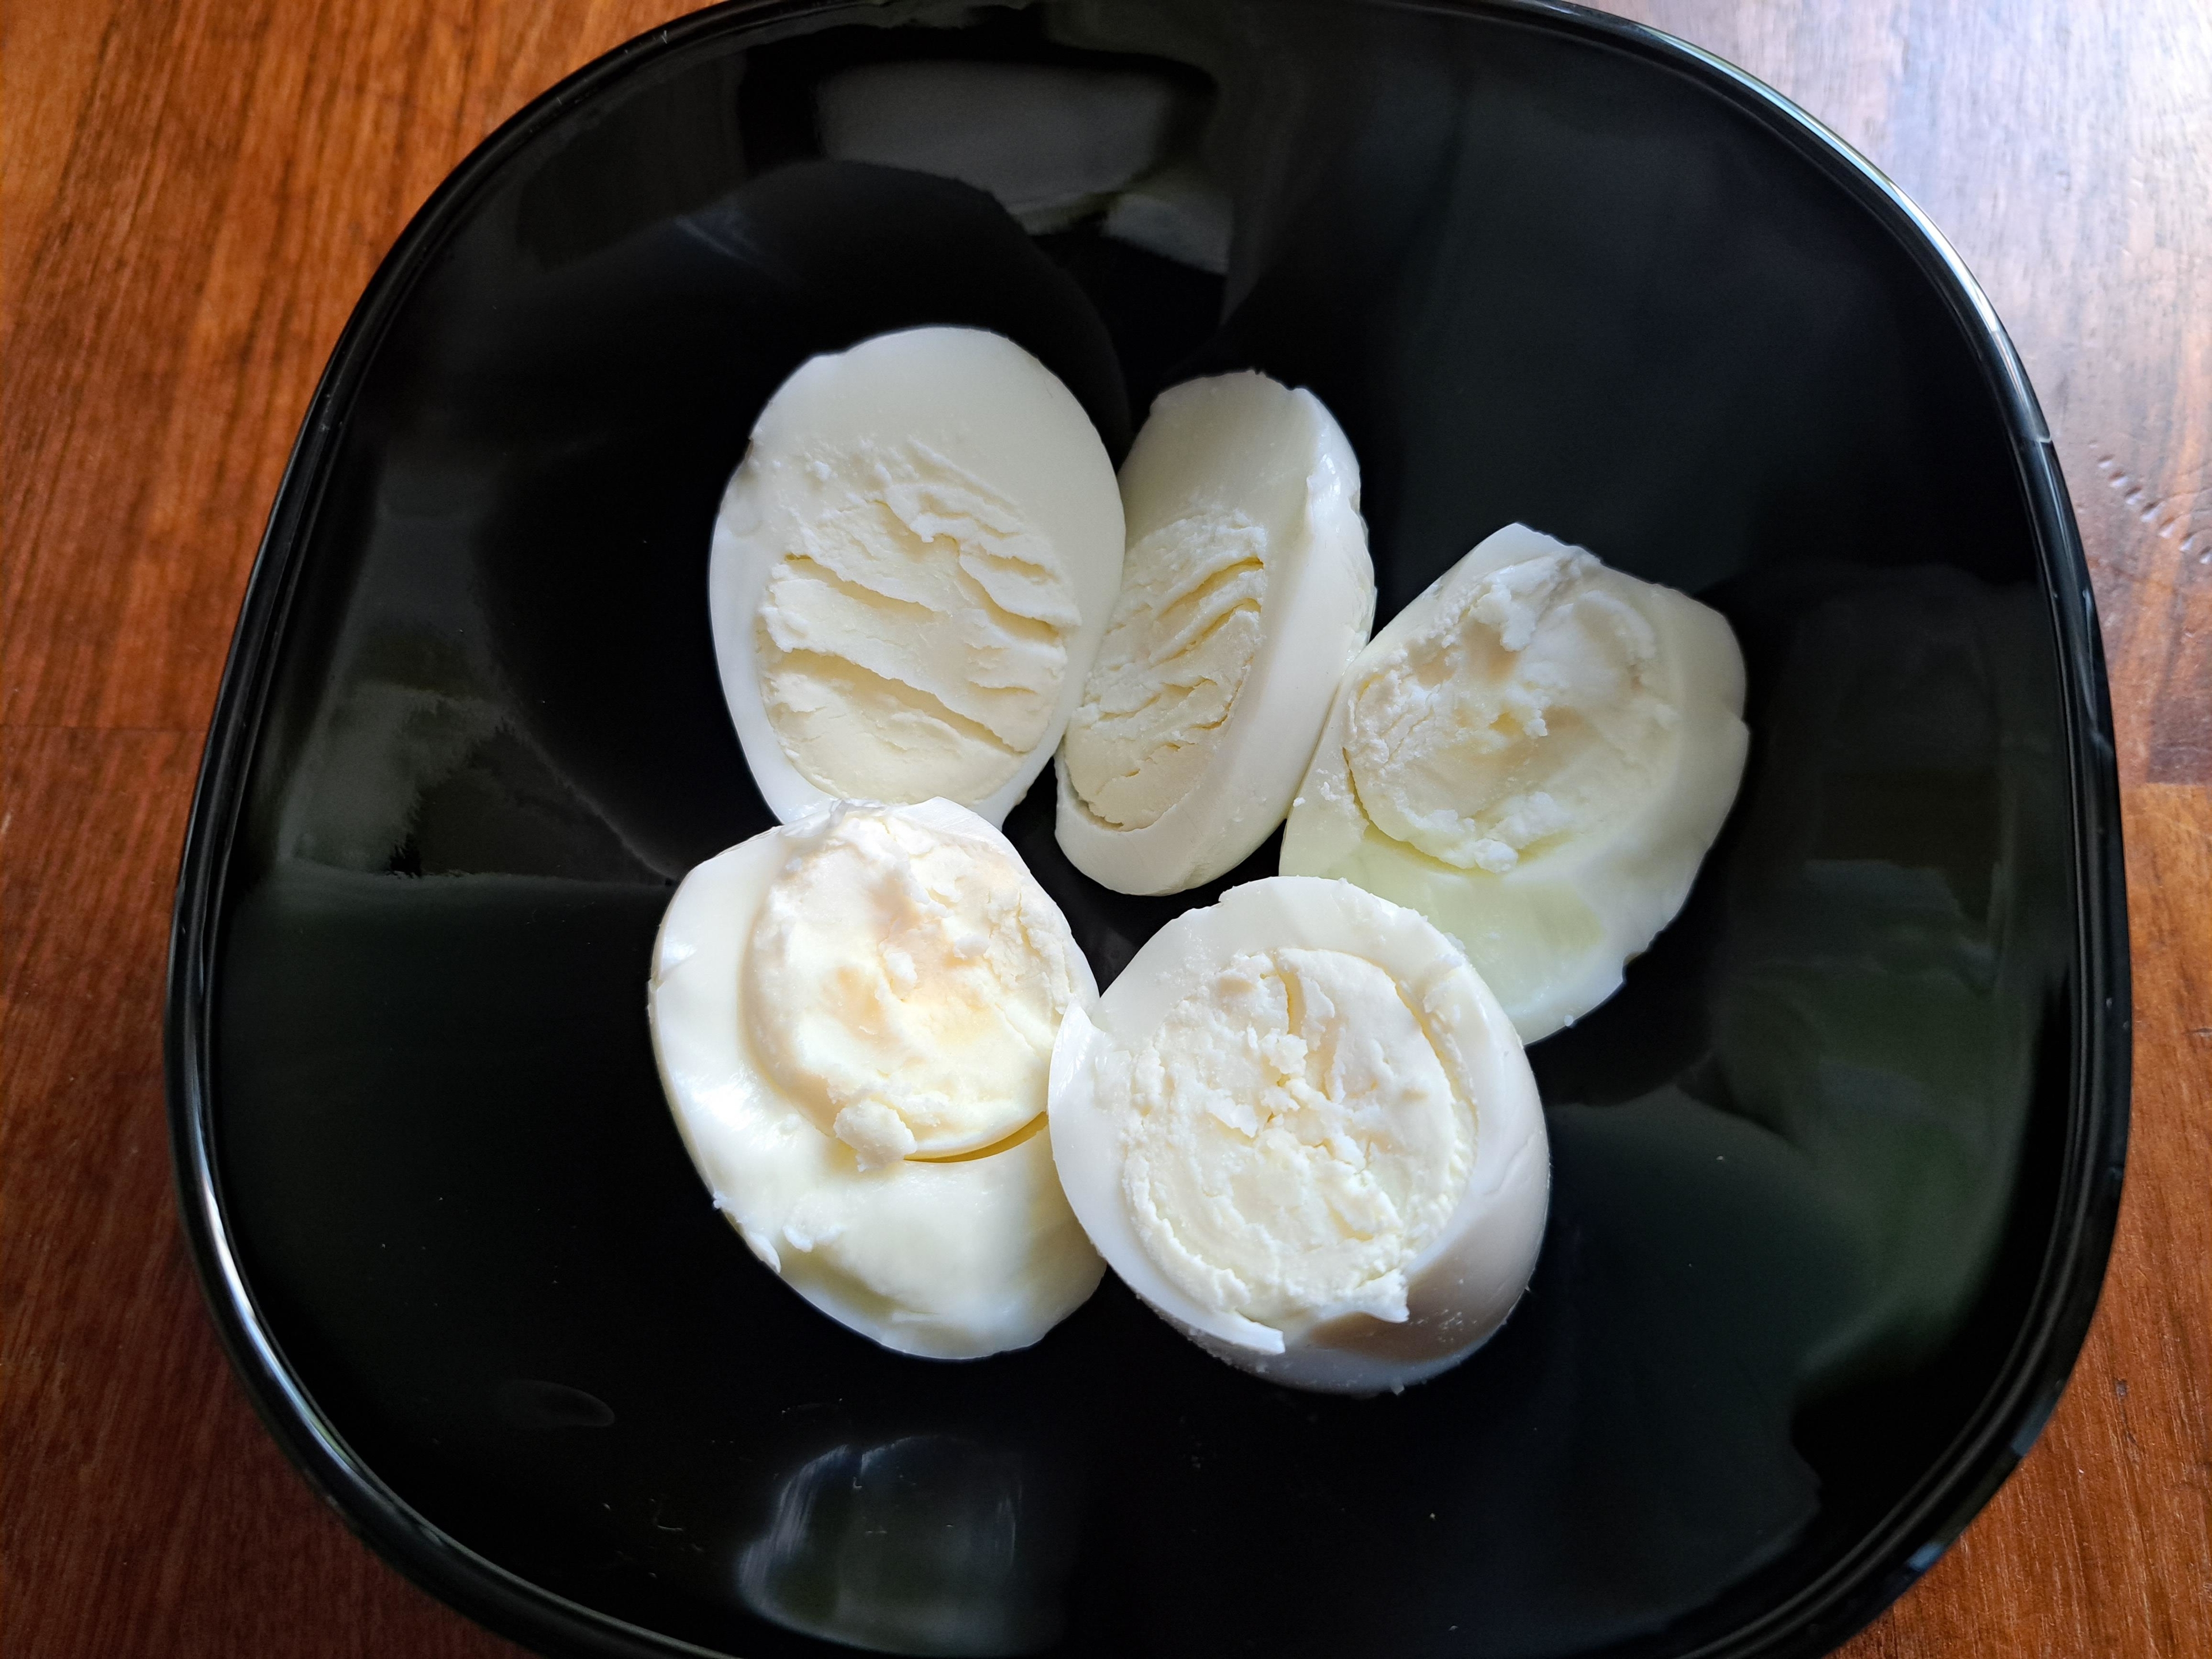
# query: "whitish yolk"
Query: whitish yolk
{"points": [[1293, 1140], [1183, 635], [913, 639], [1529, 709]]}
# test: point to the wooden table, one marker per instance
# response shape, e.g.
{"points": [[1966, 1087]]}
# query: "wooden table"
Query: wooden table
{"points": [[195, 193]]}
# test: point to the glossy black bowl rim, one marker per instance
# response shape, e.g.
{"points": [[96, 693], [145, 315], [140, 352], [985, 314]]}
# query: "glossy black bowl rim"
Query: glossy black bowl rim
{"points": [[1823, 1613]]}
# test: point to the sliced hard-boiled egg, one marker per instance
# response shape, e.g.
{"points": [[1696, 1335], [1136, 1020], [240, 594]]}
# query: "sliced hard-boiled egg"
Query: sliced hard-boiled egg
{"points": [[1301, 1129], [1246, 590], [1536, 754], [911, 570], [854, 1018]]}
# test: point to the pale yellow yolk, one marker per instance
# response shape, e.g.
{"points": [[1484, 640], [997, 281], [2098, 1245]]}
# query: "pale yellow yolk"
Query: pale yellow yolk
{"points": [[905, 987]]}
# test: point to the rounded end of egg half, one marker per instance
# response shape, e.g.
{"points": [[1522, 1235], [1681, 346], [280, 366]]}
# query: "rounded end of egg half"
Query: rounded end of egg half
{"points": [[1551, 922], [949, 1258], [1246, 590], [1301, 1129], [910, 572]]}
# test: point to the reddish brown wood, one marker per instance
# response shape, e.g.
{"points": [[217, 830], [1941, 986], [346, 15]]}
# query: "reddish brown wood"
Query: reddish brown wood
{"points": [[192, 196]]}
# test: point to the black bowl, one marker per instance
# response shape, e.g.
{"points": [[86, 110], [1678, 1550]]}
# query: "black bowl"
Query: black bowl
{"points": [[1835, 1172]]}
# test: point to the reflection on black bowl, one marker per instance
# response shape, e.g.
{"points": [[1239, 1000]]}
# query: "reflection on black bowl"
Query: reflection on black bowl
{"points": [[930, 1545], [1835, 1170]]}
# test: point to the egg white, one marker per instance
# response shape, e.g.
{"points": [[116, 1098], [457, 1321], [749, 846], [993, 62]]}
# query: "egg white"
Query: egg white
{"points": [[1464, 1284], [1550, 936], [998, 414], [1242, 443], [947, 1259]]}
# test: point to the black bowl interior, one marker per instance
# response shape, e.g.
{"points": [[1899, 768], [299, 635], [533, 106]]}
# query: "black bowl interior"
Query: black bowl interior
{"points": [[1820, 1167]]}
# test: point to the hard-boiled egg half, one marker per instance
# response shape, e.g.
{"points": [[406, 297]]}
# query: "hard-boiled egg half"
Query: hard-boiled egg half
{"points": [[911, 570], [854, 1017], [1301, 1128], [1535, 754], [1246, 590]]}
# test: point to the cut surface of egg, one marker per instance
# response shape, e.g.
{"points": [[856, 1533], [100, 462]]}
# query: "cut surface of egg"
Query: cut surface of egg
{"points": [[1246, 590], [854, 1018], [1535, 754], [1301, 1128], [911, 570]]}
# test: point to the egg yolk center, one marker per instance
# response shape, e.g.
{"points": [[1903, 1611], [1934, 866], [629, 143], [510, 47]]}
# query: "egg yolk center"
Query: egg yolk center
{"points": [[905, 988], [1293, 1140]]}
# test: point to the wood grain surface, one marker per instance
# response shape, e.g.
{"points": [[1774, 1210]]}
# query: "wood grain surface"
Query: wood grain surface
{"points": [[194, 193]]}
